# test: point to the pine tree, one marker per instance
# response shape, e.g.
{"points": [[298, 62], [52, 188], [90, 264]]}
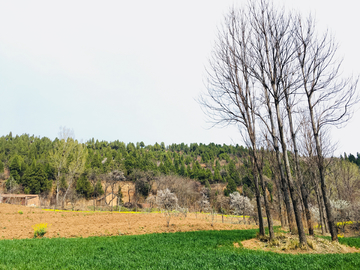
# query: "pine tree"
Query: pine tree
{"points": [[15, 168], [230, 188], [217, 176], [83, 187], [182, 170], [1, 167], [35, 179]]}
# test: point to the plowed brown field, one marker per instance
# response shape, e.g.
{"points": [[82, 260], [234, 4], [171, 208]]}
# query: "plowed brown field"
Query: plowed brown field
{"points": [[14, 225]]}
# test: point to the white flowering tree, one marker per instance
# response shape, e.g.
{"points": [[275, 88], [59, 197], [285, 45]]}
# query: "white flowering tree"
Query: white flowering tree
{"points": [[204, 203], [341, 212], [241, 205], [168, 202]]}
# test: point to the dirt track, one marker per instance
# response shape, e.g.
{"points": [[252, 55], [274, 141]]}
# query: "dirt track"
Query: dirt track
{"points": [[14, 225]]}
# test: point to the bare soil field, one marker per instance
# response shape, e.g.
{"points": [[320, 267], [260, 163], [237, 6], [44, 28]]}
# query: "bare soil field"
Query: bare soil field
{"points": [[16, 222]]}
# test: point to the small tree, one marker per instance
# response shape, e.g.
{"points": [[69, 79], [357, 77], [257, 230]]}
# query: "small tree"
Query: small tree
{"points": [[230, 188], [204, 203], [240, 204], [341, 211], [167, 201]]}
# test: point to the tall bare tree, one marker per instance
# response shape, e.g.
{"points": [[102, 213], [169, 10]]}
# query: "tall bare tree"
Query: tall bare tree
{"points": [[231, 97], [330, 98]]}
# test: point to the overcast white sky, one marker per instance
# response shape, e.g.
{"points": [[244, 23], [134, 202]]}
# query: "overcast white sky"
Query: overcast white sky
{"points": [[130, 70]]}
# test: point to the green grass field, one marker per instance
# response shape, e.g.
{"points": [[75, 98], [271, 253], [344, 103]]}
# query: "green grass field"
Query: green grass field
{"points": [[190, 250]]}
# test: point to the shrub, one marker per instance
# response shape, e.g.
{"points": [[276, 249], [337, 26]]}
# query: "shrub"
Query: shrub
{"points": [[40, 229]]}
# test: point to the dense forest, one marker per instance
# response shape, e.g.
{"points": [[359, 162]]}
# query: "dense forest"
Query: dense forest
{"points": [[33, 166]]}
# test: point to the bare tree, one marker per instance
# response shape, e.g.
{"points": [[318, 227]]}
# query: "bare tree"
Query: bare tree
{"points": [[269, 64], [231, 95], [112, 180], [185, 189], [330, 99], [344, 179], [93, 178]]}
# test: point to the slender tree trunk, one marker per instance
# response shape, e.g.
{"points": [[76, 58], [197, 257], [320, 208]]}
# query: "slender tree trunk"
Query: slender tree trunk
{"points": [[267, 208], [258, 202], [282, 219], [57, 190], [330, 218], [323, 212], [283, 183], [304, 193], [320, 209], [294, 196], [258, 168]]}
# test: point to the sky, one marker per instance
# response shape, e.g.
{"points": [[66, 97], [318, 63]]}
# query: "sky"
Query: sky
{"points": [[131, 70]]}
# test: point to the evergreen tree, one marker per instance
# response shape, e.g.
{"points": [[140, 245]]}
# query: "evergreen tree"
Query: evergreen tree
{"points": [[188, 171], [163, 169], [207, 184], [1, 167], [35, 179], [182, 170], [217, 176], [83, 187], [233, 173], [98, 190], [230, 188], [15, 168]]}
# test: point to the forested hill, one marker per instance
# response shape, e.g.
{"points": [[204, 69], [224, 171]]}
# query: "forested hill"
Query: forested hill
{"points": [[33, 165]]}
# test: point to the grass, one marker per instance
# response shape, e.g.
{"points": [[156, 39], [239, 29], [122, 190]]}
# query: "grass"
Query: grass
{"points": [[190, 250], [349, 241]]}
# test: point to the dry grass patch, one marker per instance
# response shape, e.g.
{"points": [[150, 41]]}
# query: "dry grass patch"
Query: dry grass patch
{"points": [[288, 243]]}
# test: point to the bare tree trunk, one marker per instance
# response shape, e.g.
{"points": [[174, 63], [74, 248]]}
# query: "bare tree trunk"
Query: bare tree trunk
{"points": [[294, 196], [304, 193], [282, 219], [320, 209], [258, 199], [57, 190], [267, 209], [258, 167], [283, 183], [330, 218]]}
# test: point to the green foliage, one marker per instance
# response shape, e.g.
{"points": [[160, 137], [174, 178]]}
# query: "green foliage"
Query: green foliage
{"points": [[217, 176], [15, 168], [35, 179], [234, 173], [83, 187], [350, 241], [1, 167], [190, 250], [57, 157], [230, 188], [142, 186], [248, 192], [11, 184], [98, 190]]}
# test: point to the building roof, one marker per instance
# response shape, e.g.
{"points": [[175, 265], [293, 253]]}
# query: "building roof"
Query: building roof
{"points": [[18, 195]]}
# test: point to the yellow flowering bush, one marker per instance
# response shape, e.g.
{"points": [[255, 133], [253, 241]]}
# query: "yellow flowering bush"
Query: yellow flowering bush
{"points": [[40, 229]]}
